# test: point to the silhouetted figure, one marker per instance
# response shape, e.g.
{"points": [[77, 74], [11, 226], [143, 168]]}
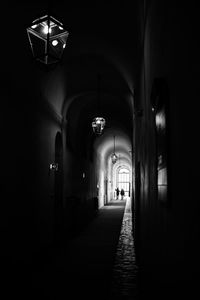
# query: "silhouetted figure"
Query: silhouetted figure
{"points": [[117, 192], [122, 194]]}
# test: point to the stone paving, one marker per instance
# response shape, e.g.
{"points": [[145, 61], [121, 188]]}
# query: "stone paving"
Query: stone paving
{"points": [[98, 263], [92, 254], [125, 271]]}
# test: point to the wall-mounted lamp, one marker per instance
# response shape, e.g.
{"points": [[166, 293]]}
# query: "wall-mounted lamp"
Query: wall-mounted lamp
{"points": [[53, 167], [47, 39]]}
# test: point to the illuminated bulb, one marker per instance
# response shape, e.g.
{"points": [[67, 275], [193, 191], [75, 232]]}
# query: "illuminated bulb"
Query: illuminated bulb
{"points": [[54, 42], [34, 26], [61, 28], [64, 45], [47, 29]]}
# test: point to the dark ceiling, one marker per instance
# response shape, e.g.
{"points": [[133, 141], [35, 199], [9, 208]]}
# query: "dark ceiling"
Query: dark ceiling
{"points": [[104, 38]]}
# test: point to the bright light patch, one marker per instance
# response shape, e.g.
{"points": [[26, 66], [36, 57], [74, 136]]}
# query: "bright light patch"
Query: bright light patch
{"points": [[54, 43], [47, 29], [162, 176], [160, 120]]}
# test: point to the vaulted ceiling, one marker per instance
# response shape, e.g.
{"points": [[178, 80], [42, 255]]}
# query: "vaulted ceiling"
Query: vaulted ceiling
{"points": [[104, 39]]}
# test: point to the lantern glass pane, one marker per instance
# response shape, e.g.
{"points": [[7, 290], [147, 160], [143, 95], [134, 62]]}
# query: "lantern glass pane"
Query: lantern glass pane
{"points": [[57, 50], [38, 45]]}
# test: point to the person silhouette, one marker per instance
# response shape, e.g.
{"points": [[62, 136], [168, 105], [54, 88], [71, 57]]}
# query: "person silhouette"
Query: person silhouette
{"points": [[122, 194], [117, 192]]}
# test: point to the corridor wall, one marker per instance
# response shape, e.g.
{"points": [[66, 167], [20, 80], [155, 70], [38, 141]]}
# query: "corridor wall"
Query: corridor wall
{"points": [[168, 233]]}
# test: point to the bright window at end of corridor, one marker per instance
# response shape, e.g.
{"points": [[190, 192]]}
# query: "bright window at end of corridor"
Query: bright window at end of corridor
{"points": [[124, 180]]}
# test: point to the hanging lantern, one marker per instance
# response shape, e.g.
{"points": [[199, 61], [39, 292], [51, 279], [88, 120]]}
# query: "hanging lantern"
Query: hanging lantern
{"points": [[98, 125], [114, 156], [47, 39]]}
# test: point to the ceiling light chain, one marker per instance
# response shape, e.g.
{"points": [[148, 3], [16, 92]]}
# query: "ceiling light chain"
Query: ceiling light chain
{"points": [[98, 123]]}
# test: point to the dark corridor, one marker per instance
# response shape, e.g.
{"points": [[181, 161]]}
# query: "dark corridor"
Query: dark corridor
{"points": [[87, 90]]}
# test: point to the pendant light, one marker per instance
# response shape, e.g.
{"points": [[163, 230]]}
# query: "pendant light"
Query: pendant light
{"points": [[47, 38], [98, 122], [114, 156]]}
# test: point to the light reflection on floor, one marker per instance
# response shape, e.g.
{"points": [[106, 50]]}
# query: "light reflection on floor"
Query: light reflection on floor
{"points": [[115, 204], [125, 268]]}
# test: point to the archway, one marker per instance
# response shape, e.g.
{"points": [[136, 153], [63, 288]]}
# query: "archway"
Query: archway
{"points": [[123, 180]]}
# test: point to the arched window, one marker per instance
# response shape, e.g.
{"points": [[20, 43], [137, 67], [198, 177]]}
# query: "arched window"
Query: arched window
{"points": [[124, 180]]}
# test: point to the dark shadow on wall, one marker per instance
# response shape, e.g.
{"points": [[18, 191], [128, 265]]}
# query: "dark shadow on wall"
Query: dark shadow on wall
{"points": [[160, 108], [78, 214]]}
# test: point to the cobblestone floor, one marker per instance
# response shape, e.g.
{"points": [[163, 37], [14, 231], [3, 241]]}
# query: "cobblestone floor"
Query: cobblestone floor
{"points": [[124, 284]]}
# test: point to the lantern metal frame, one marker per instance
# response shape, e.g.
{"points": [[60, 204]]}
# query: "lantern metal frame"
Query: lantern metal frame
{"points": [[47, 38]]}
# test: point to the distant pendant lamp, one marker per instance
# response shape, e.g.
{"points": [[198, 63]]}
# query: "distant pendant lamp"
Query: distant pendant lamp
{"points": [[98, 123], [114, 156], [47, 39]]}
